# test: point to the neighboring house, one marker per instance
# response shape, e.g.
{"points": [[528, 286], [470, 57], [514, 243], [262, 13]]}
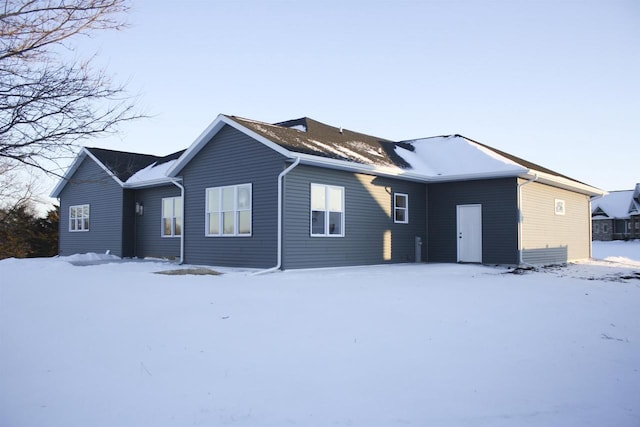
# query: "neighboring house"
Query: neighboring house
{"points": [[616, 216], [301, 194]]}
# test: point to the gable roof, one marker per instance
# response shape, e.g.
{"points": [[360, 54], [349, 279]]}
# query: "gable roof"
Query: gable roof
{"points": [[120, 165], [319, 144], [435, 159], [617, 204]]}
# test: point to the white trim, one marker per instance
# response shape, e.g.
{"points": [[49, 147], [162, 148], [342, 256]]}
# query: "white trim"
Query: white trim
{"points": [[280, 207], [405, 208], [181, 187], [173, 218], [81, 218], [521, 220], [459, 231], [210, 132], [564, 183], [559, 207], [236, 212], [84, 152], [327, 211]]}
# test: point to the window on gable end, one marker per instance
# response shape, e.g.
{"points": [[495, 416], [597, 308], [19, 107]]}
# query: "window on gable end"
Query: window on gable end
{"points": [[228, 210], [79, 218]]}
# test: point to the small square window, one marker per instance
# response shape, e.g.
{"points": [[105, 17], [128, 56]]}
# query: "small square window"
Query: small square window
{"points": [[79, 218], [559, 207]]}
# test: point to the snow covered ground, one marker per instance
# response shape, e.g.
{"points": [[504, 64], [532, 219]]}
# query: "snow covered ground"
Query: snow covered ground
{"points": [[111, 344]]}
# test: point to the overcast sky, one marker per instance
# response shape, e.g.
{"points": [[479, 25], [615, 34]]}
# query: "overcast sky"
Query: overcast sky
{"points": [[555, 82]]}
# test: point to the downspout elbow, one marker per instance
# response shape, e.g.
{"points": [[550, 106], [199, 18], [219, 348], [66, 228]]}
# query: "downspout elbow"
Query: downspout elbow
{"points": [[280, 203], [181, 187], [520, 219]]}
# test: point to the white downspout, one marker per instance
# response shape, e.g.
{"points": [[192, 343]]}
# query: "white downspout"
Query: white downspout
{"points": [[280, 185], [181, 187], [520, 249]]}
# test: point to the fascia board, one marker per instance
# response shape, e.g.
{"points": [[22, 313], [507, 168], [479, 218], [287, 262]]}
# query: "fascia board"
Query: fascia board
{"points": [[104, 168], [398, 173], [69, 172], [564, 183], [210, 132], [150, 183], [84, 153]]}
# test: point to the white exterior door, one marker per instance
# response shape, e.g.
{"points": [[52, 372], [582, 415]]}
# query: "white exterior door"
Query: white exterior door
{"points": [[469, 219]]}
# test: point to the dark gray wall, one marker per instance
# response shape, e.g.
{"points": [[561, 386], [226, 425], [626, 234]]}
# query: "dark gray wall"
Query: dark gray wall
{"points": [[232, 158], [371, 236], [91, 185], [498, 198], [148, 239]]}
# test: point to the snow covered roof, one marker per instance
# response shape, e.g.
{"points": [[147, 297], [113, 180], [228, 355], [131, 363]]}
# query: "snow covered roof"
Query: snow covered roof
{"points": [[435, 159], [616, 205]]}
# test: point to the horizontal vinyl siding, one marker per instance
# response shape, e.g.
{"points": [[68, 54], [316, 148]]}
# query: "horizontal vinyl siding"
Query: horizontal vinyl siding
{"points": [[548, 238], [91, 185], [370, 235], [498, 198], [149, 241], [233, 158]]}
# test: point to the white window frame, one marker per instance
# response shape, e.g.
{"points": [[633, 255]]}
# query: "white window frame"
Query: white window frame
{"points": [[79, 221], [327, 211], [397, 208], [236, 211], [173, 217], [559, 206]]}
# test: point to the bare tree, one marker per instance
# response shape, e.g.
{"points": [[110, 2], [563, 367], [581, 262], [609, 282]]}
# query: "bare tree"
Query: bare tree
{"points": [[47, 104]]}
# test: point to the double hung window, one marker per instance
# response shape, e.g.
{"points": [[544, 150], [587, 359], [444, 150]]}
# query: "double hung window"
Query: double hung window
{"points": [[228, 210], [327, 210], [79, 218], [171, 216], [401, 208]]}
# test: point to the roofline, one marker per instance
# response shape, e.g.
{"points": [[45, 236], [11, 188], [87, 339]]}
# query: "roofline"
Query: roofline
{"points": [[210, 132], [391, 172], [74, 167], [564, 183], [150, 183]]}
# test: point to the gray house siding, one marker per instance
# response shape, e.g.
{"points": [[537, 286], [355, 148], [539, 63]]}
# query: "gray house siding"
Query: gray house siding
{"points": [[548, 238], [91, 185], [498, 198], [233, 158], [148, 236], [370, 234]]}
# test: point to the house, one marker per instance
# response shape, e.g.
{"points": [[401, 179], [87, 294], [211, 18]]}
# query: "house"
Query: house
{"points": [[303, 194], [616, 216]]}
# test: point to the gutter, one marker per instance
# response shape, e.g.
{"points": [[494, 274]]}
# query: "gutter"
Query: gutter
{"points": [[280, 185], [175, 182], [520, 249]]}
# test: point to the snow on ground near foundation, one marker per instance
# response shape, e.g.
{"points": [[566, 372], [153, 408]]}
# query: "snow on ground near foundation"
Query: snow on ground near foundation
{"points": [[113, 344]]}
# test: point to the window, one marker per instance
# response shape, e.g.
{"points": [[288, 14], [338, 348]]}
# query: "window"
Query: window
{"points": [[401, 208], [228, 211], [79, 218], [605, 228], [559, 206], [172, 217], [596, 228], [327, 210]]}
